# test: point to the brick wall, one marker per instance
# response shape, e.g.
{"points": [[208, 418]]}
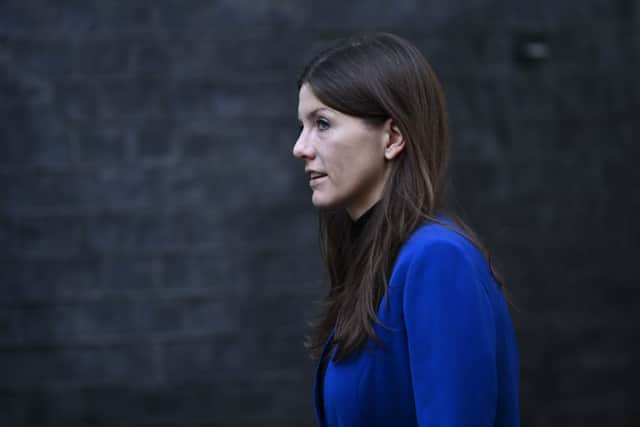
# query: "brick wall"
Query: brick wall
{"points": [[159, 254]]}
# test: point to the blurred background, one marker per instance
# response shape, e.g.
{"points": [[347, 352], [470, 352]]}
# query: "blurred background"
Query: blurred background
{"points": [[158, 248]]}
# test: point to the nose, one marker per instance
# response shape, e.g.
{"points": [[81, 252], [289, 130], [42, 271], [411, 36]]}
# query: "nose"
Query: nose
{"points": [[302, 148]]}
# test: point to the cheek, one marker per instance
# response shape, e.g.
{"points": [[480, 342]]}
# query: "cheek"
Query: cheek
{"points": [[341, 169], [354, 173], [352, 161]]}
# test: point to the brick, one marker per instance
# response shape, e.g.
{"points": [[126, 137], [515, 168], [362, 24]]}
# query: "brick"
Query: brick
{"points": [[33, 236], [46, 324], [198, 55], [154, 140], [117, 17], [281, 236], [202, 271], [116, 232], [9, 325], [130, 272], [15, 16], [212, 141], [33, 137], [259, 16], [133, 97], [588, 96], [101, 145], [359, 15], [55, 406], [108, 365], [121, 318], [40, 280], [209, 316], [40, 57], [76, 97], [103, 57], [13, 408], [111, 186], [205, 97], [37, 189], [116, 187], [198, 229], [161, 406], [199, 143], [75, 17], [191, 361], [19, 90]]}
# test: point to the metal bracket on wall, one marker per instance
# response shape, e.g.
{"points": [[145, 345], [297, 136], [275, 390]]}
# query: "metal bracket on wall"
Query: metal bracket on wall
{"points": [[531, 49]]}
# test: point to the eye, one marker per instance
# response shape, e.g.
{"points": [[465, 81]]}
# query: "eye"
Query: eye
{"points": [[322, 123]]}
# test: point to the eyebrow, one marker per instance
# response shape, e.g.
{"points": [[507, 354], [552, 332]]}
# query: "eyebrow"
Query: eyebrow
{"points": [[315, 112]]}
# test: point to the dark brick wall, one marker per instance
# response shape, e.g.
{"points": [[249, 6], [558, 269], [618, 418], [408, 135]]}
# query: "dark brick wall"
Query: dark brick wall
{"points": [[158, 254]]}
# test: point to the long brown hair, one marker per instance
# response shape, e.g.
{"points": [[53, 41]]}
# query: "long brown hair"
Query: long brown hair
{"points": [[375, 77]]}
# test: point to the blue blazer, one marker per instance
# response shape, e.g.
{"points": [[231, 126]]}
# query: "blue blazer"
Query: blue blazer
{"points": [[449, 355]]}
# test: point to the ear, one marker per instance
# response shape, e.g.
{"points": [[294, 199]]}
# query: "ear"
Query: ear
{"points": [[394, 141]]}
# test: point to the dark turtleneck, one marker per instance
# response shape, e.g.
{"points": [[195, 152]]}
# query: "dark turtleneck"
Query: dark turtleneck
{"points": [[360, 223]]}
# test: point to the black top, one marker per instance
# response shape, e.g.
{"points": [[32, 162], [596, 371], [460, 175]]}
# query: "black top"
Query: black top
{"points": [[360, 223]]}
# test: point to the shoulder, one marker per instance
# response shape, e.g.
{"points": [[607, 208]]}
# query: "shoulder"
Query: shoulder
{"points": [[438, 239], [437, 244]]}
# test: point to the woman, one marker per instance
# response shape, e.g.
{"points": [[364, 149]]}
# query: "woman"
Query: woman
{"points": [[415, 330]]}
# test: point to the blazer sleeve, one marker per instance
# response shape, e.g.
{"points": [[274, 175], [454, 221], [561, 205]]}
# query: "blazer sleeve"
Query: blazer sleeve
{"points": [[451, 338]]}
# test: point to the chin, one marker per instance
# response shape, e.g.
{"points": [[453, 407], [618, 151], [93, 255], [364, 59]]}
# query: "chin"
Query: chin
{"points": [[322, 202]]}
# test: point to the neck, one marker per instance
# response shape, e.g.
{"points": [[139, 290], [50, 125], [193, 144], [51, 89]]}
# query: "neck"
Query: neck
{"points": [[374, 197], [356, 214]]}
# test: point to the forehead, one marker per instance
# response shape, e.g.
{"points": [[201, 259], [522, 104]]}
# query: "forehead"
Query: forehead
{"points": [[308, 102]]}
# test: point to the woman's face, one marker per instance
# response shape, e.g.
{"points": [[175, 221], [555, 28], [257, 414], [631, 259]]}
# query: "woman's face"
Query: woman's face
{"points": [[344, 156]]}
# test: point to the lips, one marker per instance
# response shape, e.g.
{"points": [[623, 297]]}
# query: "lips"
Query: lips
{"points": [[316, 178], [316, 175]]}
